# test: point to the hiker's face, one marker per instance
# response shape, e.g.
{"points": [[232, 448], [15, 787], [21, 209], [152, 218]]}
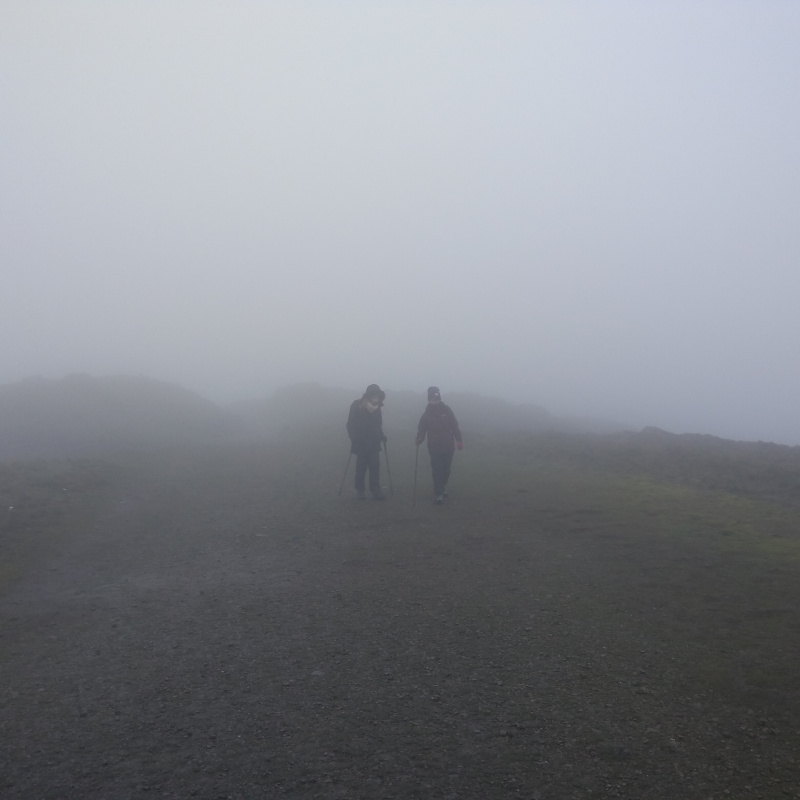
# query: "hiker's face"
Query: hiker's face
{"points": [[435, 400]]}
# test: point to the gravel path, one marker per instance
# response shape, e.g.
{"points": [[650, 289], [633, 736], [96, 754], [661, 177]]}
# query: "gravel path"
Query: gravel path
{"points": [[222, 625]]}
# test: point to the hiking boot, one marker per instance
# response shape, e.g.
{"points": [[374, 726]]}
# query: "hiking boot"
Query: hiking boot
{"points": [[361, 496], [438, 500], [379, 497]]}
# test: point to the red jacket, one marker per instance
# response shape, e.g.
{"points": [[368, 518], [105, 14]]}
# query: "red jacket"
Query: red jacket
{"points": [[439, 423]]}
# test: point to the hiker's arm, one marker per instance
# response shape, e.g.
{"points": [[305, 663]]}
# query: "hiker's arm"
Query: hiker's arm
{"points": [[454, 426]]}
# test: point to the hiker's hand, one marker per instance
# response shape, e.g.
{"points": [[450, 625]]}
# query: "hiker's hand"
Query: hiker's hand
{"points": [[418, 441], [460, 445], [384, 439]]}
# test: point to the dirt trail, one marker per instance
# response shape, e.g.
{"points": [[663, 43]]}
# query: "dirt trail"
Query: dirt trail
{"points": [[223, 626]]}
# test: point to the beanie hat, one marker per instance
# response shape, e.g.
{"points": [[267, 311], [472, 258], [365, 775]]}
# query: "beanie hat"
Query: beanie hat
{"points": [[433, 391], [373, 389]]}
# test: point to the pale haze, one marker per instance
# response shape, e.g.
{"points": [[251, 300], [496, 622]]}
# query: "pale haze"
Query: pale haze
{"points": [[590, 206]]}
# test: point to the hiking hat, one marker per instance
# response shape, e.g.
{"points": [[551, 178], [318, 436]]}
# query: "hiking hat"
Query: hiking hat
{"points": [[374, 390], [433, 391]]}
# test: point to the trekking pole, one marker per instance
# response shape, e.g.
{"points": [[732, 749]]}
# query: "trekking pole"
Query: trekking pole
{"points": [[345, 474], [414, 495], [388, 471]]}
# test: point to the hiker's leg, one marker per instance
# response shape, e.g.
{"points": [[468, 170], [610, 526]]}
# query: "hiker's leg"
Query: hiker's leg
{"points": [[361, 471], [375, 473], [438, 472], [447, 460]]}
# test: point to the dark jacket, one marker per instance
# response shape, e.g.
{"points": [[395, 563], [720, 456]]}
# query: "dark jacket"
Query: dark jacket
{"points": [[439, 423], [364, 428]]}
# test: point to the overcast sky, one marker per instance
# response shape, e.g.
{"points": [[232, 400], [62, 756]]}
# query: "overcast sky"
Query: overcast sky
{"points": [[591, 206]]}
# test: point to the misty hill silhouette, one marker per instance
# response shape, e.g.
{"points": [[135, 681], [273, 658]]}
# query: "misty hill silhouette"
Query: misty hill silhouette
{"points": [[762, 470], [80, 414], [311, 407]]}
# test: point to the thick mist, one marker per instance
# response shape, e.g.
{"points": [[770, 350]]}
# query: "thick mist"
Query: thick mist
{"points": [[590, 208]]}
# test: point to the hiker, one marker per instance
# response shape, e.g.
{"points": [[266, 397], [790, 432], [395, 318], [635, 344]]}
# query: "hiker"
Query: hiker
{"points": [[441, 427], [365, 429]]}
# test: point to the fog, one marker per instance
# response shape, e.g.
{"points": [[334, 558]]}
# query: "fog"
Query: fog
{"points": [[592, 207]]}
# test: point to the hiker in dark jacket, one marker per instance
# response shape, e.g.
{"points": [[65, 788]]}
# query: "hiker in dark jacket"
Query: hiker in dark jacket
{"points": [[439, 424], [365, 429]]}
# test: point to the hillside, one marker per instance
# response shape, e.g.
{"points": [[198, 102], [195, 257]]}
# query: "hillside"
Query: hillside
{"points": [[761, 470], [80, 414], [309, 407], [83, 415]]}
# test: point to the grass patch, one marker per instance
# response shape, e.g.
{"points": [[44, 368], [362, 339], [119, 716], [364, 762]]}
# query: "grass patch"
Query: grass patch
{"points": [[709, 577]]}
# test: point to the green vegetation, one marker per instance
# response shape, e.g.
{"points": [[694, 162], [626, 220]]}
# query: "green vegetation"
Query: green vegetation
{"points": [[714, 572]]}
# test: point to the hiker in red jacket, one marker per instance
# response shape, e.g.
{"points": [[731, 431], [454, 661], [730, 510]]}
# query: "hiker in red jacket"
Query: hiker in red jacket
{"points": [[439, 424]]}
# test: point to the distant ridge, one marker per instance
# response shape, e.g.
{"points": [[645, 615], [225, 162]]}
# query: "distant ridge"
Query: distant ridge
{"points": [[85, 415], [310, 406], [763, 470], [81, 414]]}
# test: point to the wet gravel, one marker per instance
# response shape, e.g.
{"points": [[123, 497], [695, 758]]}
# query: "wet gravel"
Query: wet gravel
{"points": [[219, 624]]}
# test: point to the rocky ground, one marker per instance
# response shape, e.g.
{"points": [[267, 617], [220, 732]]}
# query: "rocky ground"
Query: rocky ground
{"points": [[220, 624]]}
